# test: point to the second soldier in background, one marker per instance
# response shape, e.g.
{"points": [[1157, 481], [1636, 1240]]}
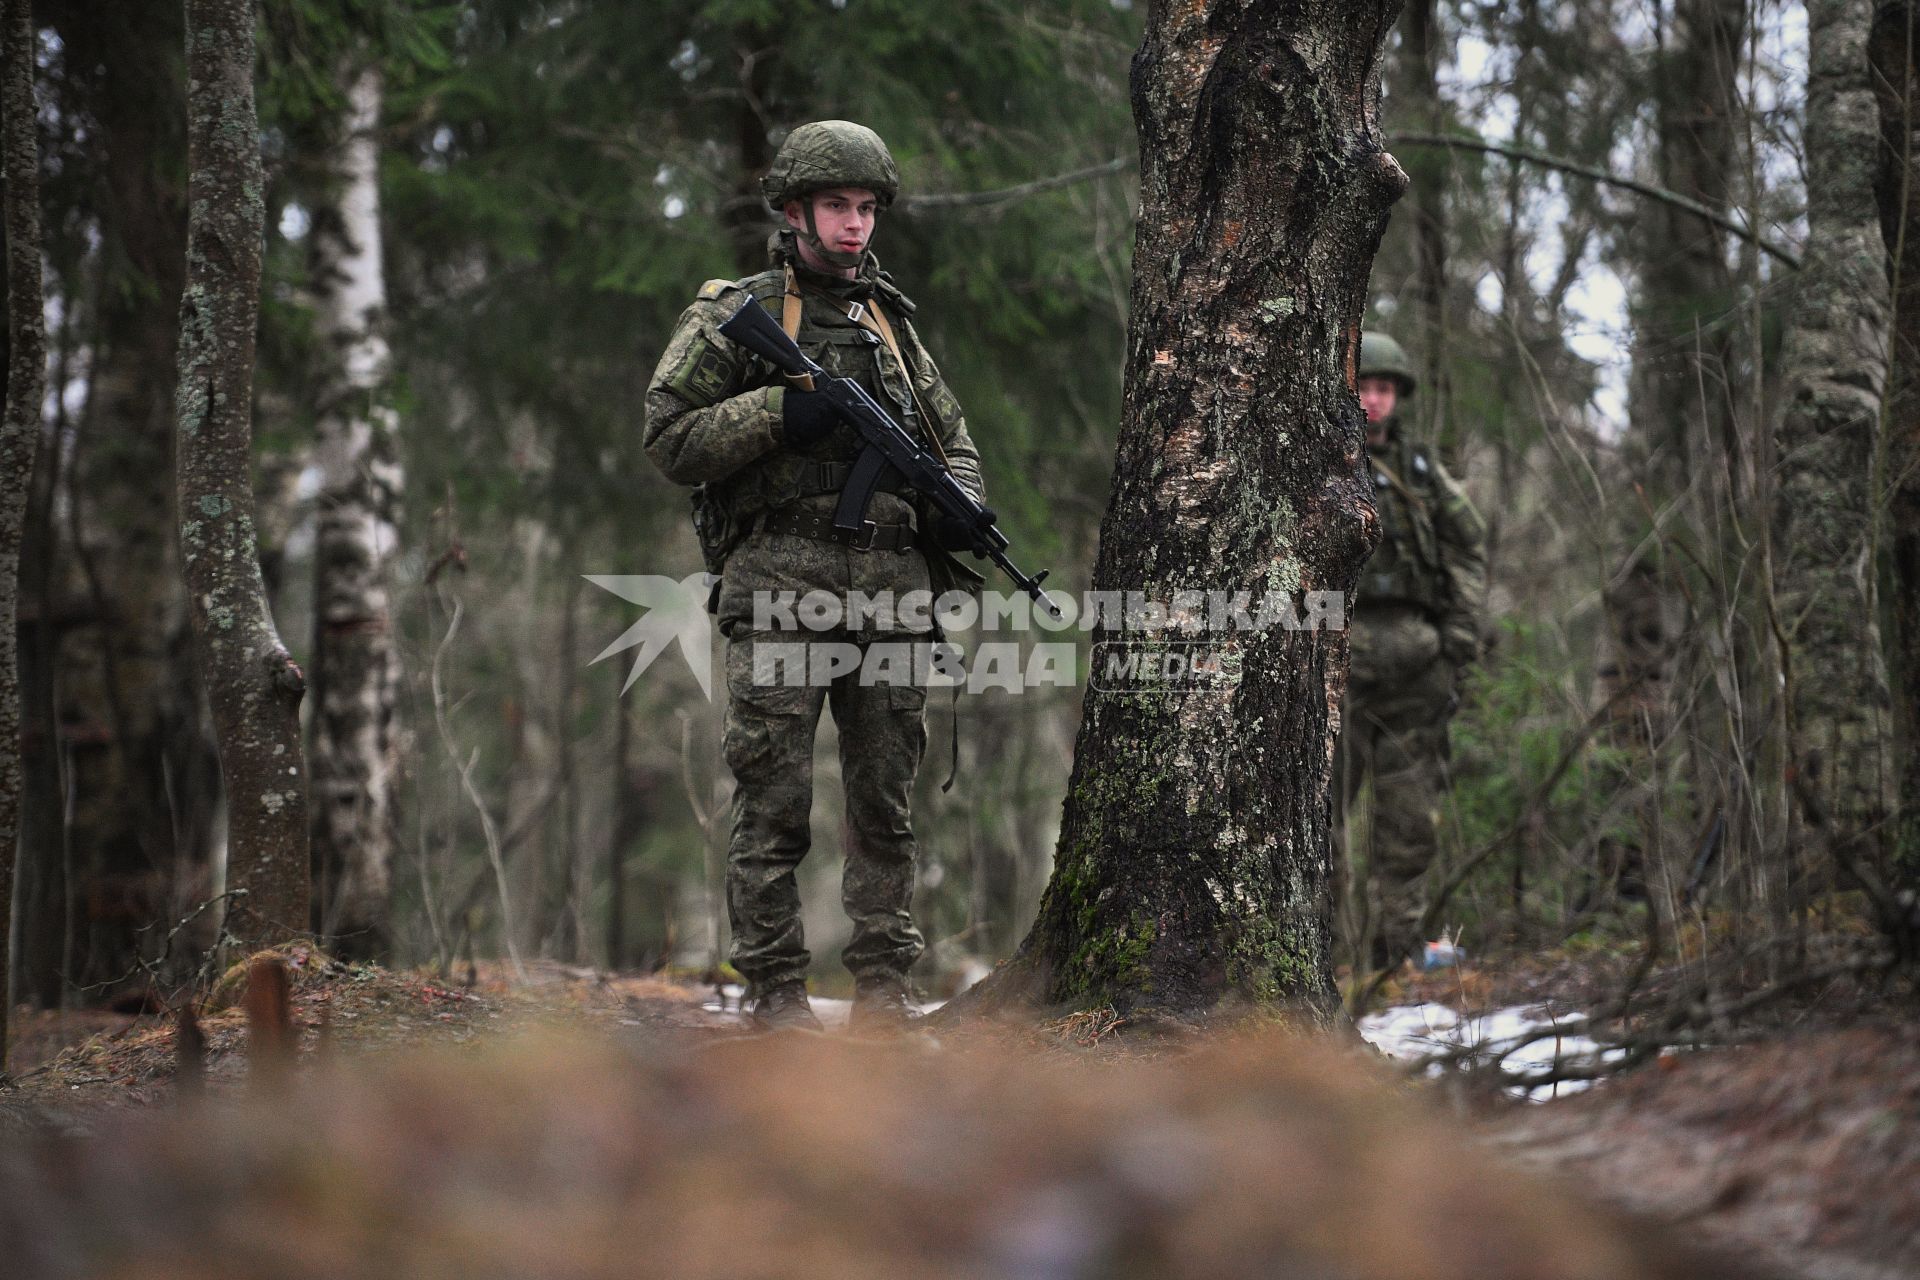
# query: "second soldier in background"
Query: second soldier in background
{"points": [[1415, 630]]}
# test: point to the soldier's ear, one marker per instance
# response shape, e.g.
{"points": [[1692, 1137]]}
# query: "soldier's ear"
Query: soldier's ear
{"points": [[796, 215]]}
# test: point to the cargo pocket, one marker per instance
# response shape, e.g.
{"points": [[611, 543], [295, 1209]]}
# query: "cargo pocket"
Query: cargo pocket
{"points": [[762, 686]]}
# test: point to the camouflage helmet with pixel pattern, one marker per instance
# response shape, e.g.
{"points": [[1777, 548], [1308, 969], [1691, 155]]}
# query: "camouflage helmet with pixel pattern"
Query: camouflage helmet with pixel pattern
{"points": [[830, 153], [1382, 357]]}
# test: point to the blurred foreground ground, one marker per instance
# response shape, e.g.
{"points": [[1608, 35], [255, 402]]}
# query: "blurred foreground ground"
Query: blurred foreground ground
{"points": [[576, 1124]]}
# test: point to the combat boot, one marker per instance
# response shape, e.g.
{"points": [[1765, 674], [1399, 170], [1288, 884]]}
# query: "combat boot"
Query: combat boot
{"points": [[880, 1005], [785, 1008]]}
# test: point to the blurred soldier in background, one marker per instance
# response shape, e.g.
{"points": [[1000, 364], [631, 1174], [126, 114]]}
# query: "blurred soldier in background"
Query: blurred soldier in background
{"points": [[1415, 630], [767, 459]]}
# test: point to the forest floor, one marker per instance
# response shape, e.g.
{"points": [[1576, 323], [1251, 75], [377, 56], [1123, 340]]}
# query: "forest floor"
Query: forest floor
{"points": [[1797, 1141], [1800, 1152]]}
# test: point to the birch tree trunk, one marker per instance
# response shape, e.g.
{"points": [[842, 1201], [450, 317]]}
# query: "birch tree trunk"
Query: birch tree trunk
{"points": [[355, 667], [252, 682], [1834, 368], [19, 429], [1194, 860]]}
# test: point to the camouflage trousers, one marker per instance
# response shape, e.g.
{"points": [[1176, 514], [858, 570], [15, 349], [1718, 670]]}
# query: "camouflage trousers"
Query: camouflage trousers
{"points": [[1394, 732], [769, 746]]}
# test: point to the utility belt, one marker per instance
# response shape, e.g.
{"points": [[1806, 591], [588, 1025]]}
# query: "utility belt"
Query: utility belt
{"points": [[816, 478], [801, 522]]}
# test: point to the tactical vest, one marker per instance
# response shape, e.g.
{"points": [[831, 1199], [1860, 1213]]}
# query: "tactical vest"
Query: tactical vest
{"points": [[830, 333], [1406, 567]]}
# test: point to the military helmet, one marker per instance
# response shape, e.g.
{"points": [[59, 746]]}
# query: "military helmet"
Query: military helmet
{"points": [[831, 153], [1382, 357]]}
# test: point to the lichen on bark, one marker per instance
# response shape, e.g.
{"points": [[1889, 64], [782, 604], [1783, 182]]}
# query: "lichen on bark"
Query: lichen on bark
{"points": [[253, 685], [1834, 367]]}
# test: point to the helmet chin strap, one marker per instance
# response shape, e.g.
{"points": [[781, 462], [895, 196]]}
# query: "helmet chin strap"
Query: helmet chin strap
{"points": [[819, 246]]}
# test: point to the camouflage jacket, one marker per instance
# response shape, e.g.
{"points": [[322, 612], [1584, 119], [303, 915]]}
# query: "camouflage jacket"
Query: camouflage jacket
{"points": [[1432, 551], [713, 419]]}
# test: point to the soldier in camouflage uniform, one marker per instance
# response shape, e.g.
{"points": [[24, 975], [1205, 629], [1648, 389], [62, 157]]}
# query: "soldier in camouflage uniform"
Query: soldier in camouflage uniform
{"points": [[1414, 631], [768, 459]]}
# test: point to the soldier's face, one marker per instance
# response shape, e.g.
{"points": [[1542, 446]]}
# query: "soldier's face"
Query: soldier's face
{"points": [[1379, 397], [842, 216]]}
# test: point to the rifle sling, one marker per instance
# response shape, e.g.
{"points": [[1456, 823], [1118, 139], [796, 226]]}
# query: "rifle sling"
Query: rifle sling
{"points": [[790, 321], [875, 319]]}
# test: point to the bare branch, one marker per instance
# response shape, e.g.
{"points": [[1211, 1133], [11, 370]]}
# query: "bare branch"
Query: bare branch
{"points": [[465, 772], [1007, 195], [1468, 142]]}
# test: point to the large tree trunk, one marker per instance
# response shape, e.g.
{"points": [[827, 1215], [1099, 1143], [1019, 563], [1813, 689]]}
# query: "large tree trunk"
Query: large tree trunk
{"points": [[355, 667], [251, 679], [20, 427], [1194, 859], [1895, 54], [1833, 366]]}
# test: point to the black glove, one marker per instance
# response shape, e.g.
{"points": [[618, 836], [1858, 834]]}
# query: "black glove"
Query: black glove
{"points": [[950, 534], [805, 416]]}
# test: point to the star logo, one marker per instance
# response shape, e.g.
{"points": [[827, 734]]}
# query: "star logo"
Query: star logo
{"points": [[677, 611]]}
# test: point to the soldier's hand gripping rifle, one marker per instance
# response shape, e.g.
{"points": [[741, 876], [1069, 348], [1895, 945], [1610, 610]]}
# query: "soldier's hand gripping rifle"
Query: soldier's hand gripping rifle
{"points": [[888, 447]]}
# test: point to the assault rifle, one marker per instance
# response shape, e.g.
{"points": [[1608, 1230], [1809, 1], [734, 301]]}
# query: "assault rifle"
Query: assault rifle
{"points": [[888, 447]]}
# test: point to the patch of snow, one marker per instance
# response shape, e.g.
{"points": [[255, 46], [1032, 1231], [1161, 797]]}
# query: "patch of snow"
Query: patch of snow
{"points": [[1436, 1035], [730, 1002]]}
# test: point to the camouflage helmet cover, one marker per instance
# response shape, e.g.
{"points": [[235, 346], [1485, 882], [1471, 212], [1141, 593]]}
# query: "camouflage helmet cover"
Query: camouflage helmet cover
{"points": [[1382, 357], [830, 153]]}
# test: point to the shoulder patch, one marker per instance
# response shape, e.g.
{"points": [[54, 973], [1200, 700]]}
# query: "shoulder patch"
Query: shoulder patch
{"points": [[705, 374], [945, 407], [714, 288]]}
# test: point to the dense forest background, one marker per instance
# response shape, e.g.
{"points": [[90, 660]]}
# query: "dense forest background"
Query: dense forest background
{"points": [[482, 221]]}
